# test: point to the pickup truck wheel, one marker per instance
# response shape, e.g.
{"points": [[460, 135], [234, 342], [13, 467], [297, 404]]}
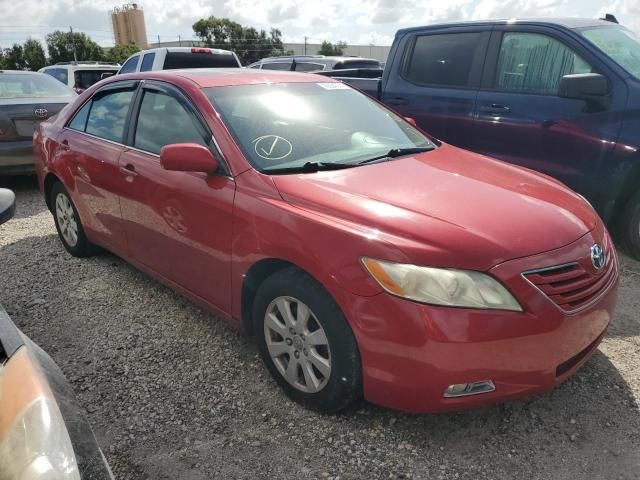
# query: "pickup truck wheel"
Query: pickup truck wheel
{"points": [[630, 226], [68, 223], [306, 342]]}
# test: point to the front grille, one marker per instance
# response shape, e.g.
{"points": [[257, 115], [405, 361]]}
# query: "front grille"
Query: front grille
{"points": [[573, 287]]}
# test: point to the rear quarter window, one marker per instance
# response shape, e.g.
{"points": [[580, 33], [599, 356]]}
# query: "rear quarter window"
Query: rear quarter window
{"points": [[177, 60], [443, 59]]}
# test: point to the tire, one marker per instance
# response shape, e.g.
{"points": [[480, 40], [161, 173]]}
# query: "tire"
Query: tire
{"points": [[66, 217], [630, 226], [327, 390]]}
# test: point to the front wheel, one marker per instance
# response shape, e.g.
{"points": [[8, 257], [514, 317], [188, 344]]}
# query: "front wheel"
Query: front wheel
{"points": [[306, 342], [630, 226], [68, 223]]}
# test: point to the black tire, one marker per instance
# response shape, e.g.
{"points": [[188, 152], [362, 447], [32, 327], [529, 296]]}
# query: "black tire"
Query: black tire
{"points": [[82, 247], [344, 383], [630, 226]]}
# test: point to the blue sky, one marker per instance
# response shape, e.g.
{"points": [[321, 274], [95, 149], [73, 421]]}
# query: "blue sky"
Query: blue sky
{"points": [[354, 22]]}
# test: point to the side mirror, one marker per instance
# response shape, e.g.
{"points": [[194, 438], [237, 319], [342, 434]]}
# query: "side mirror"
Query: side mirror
{"points": [[411, 120], [188, 157], [7, 205], [590, 87]]}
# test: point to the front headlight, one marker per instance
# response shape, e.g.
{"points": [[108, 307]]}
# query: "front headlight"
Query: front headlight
{"points": [[34, 441], [440, 286]]}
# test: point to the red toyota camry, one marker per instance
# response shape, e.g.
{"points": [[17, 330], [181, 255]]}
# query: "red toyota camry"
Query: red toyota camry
{"points": [[366, 257]]}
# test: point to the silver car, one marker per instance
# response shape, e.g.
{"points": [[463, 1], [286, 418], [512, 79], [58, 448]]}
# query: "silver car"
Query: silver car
{"points": [[26, 98]]}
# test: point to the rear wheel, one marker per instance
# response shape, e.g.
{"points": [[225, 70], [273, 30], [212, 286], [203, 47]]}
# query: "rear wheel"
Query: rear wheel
{"points": [[68, 223], [306, 342], [630, 226]]}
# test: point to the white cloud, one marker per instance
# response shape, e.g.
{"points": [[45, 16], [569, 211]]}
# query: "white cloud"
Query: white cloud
{"points": [[372, 21]]}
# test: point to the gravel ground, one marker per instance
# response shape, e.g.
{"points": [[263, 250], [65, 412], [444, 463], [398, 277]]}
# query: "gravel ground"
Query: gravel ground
{"points": [[173, 393]]}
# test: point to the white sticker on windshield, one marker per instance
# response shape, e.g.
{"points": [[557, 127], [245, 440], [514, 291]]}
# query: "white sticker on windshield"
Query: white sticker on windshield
{"points": [[334, 86]]}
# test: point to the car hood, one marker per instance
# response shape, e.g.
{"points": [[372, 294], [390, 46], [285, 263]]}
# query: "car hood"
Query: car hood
{"points": [[448, 207]]}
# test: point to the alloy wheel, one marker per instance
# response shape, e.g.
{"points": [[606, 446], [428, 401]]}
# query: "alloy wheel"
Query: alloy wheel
{"points": [[67, 221], [297, 344]]}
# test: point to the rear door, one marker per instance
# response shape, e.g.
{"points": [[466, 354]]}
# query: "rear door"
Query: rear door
{"points": [[437, 78], [177, 223], [91, 145], [522, 120]]}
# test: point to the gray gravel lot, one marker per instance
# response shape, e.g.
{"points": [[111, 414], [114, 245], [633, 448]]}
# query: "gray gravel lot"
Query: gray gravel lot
{"points": [[173, 393]]}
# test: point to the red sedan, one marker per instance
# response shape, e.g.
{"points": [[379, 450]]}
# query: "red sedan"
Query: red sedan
{"points": [[365, 257]]}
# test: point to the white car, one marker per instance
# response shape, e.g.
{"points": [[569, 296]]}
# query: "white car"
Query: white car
{"points": [[81, 75], [171, 58]]}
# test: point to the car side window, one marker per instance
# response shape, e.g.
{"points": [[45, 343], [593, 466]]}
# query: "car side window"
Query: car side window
{"points": [[162, 120], [147, 62], [108, 114], [277, 66], [79, 121], [535, 63], [308, 67], [58, 73], [443, 59], [130, 65]]}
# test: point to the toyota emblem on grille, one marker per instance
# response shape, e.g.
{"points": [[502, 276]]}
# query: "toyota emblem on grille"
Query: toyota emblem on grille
{"points": [[41, 112], [598, 257]]}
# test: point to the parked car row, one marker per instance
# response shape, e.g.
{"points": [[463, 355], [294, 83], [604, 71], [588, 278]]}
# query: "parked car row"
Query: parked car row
{"points": [[560, 96], [337, 233]]}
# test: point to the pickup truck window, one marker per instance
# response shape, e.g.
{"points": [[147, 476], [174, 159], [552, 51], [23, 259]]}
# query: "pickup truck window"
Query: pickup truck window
{"points": [[619, 43], [443, 59], [535, 63], [130, 65]]}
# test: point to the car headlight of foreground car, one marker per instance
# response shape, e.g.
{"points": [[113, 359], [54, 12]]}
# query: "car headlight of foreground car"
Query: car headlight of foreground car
{"points": [[441, 286], [34, 441]]}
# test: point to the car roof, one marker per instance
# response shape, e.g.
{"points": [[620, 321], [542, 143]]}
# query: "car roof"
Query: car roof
{"points": [[21, 72], [185, 49], [315, 59], [567, 22], [219, 77]]}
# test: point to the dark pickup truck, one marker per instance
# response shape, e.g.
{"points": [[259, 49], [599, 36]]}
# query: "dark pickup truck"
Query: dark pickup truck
{"points": [[561, 96]]}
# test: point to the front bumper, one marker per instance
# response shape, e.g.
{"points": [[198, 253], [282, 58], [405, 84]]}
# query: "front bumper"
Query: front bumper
{"points": [[16, 157], [411, 352]]}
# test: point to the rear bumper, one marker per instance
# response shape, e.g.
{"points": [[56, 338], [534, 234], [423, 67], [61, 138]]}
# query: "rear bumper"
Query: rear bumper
{"points": [[411, 352], [16, 157]]}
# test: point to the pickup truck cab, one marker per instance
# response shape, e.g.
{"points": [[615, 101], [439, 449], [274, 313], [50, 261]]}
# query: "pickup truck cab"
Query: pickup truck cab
{"points": [[561, 96], [172, 58]]}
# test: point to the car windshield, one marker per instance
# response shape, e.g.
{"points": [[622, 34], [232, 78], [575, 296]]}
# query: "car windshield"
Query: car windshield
{"points": [[287, 125], [31, 85], [619, 43]]}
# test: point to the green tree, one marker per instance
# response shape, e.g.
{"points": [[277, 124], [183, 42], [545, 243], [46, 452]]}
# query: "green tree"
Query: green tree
{"points": [[34, 57], [14, 58], [327, 48], [61, 46], [120, 53], [247, 42]]}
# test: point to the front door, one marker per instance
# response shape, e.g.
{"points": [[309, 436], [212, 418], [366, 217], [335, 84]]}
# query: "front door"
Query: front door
{"points": [[177, 223], [522, 120], [438, 80]]}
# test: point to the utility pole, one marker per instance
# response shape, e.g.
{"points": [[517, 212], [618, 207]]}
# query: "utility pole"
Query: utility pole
{"points": [[158, 40], [305, 45], [73, 45], [179, 41]]}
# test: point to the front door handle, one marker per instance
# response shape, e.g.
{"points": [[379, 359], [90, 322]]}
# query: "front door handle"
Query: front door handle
{"points": [[398, 101], [64, 145]]}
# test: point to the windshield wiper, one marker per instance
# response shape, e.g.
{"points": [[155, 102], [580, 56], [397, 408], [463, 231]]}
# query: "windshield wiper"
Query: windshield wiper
{"points": [[397, 152], [310, 167]]}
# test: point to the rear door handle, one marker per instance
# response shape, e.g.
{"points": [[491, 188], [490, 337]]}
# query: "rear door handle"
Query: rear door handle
{"points": [[129, 169], [497, 109], [398, 101], [64, 145]]}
